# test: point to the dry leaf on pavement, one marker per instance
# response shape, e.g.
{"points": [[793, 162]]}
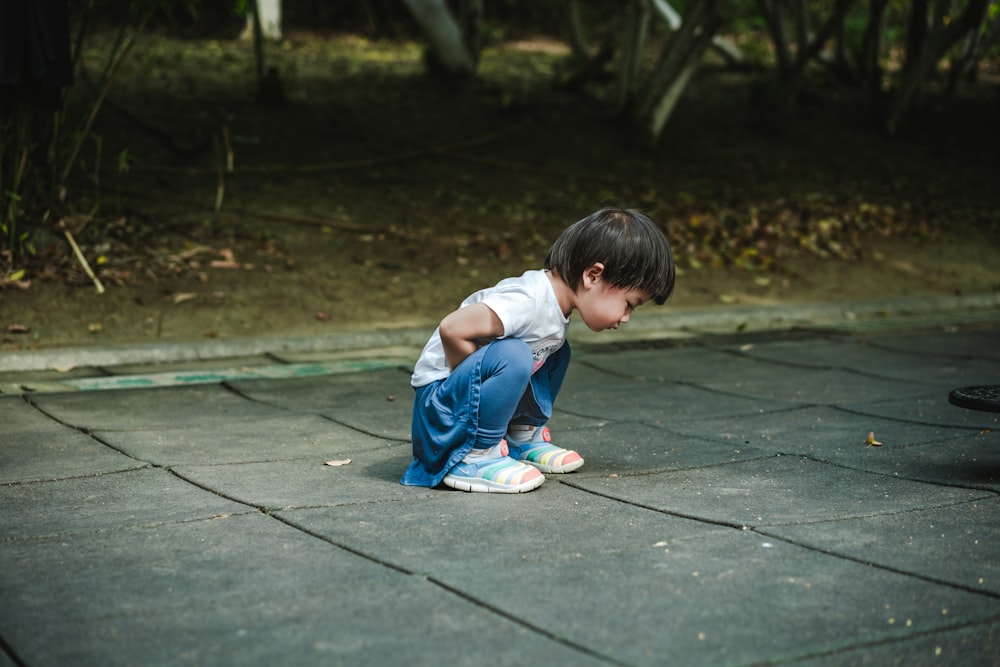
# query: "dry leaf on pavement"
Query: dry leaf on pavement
{"points": [[337, 462]]}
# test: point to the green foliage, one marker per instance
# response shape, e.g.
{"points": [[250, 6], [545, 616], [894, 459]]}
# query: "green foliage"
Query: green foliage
{"points": [[124, 160], [40, 146], [15, 151], [855, 25], [747, 239]]}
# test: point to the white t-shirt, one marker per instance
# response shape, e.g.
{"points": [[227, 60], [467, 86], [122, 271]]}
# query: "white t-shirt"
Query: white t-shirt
{"points": [[528, 309]]}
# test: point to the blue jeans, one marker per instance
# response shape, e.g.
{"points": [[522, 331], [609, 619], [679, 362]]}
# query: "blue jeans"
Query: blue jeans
{"points": [[492, 388]]}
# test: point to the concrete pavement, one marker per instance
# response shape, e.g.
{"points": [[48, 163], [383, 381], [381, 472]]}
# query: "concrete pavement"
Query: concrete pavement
{"points": [[730, 511]]}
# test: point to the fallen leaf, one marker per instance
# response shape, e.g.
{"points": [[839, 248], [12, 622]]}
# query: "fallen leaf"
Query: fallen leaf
{"points": [[20, 284], [228, 261], [95, 327], [337, 462], [871, 441], [189, 253], [181, 297]]}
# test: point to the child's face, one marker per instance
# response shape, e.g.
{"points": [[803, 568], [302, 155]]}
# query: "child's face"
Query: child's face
{"points": [[602, 306]]}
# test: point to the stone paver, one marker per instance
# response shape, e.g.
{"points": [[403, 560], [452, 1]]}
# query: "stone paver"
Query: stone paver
{"points": [[34, 447], [730, 512]]}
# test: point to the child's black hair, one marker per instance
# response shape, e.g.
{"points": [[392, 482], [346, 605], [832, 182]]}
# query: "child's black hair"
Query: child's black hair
{"points": [[633, 250]]}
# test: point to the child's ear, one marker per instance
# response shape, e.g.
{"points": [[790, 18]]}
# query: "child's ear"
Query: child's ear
{"points": [[592, 274]]}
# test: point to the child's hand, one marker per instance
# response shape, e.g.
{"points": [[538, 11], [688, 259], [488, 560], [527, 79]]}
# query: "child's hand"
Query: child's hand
{"points": [[461, 329]]}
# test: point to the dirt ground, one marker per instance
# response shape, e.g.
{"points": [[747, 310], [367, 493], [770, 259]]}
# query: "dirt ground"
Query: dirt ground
{"points": [[373, 198]]}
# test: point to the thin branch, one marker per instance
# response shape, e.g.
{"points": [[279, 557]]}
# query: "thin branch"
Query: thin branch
{"points": [[83, 260], [109, 76]]}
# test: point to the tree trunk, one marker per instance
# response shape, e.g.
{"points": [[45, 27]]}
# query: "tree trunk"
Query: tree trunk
{"points": [[800, 15], [633, 44], [472, 18], [591, 65], [810, 49], [916, 31], [976, 44], [869, 67], [771, 10], [578, 39], [446, 42], [268, 12], [677, 62], [841, 58], [936, 42]]}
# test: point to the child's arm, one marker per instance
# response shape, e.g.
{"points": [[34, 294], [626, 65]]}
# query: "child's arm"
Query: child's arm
{"points": [[461, 329]]}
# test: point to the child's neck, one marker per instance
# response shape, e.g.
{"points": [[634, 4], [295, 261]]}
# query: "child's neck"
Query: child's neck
{"points": [[564, 295]]}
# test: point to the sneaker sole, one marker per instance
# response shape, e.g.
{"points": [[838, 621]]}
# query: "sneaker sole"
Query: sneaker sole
{"points": [[480, 485], [569, 467]]}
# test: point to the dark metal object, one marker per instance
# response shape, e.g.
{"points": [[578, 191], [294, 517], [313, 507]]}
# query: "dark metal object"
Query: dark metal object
{"points": [[984, 397]]}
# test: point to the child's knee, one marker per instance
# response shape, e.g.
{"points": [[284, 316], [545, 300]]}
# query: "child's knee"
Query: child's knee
{"points": [[512, 356]]}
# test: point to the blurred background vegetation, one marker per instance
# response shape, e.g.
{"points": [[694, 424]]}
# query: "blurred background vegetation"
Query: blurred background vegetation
{"points": [[892, 59]]}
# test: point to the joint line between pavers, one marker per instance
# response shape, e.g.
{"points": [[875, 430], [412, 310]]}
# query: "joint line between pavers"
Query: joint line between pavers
{"points": [[142, 465], [85, 431], [328, 418], [815, 367], [449, 588], [880, 566], [121, 528], [186, 378], [520, 621], [899, 636], [8, 650], [322, 538], [989, 491], [855, 411], [660, 510], [214, 492]]}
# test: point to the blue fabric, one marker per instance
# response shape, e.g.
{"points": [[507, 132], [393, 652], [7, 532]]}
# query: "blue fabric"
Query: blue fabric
{"points": [[535, 406], [473, 406]]}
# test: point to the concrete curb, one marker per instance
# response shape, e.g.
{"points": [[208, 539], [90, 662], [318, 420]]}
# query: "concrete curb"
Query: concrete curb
{"points": [[833, 315], [679, 323]]}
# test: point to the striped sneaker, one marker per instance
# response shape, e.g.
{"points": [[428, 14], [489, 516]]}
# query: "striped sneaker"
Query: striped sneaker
{"points": [[492, 471], [541, 453]]}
